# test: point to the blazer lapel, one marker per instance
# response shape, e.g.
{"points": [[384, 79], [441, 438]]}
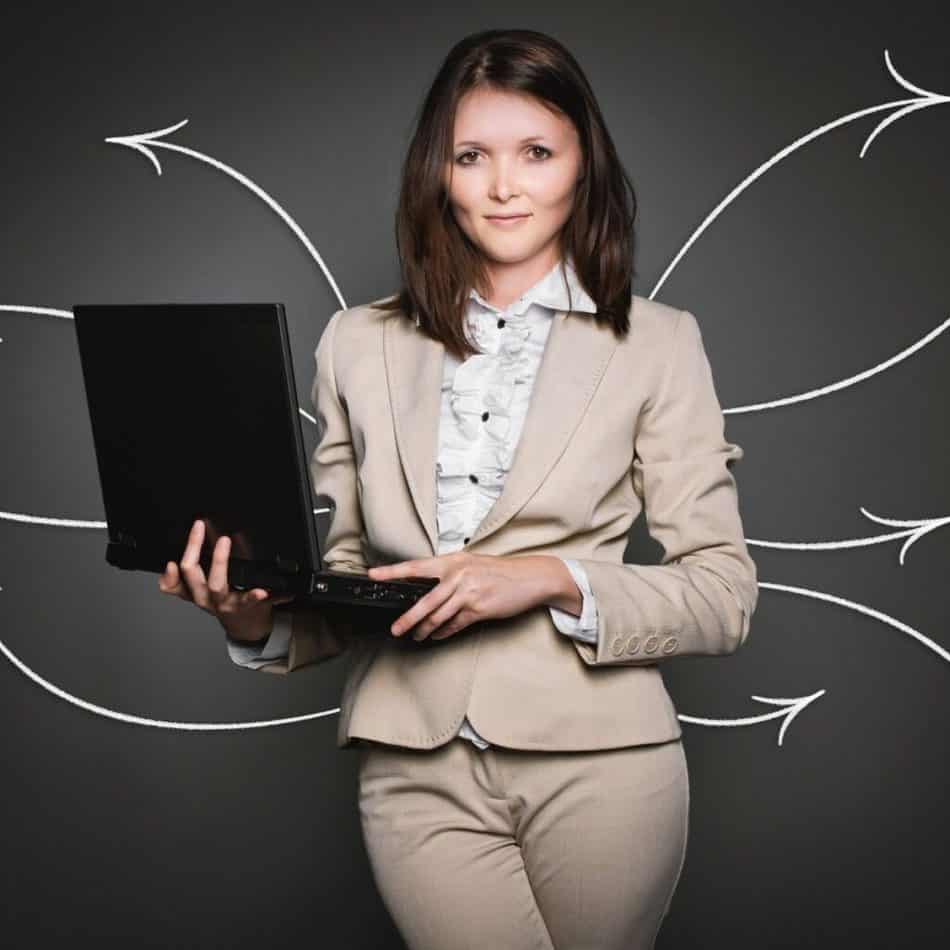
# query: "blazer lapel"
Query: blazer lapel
{"points": [[575, 356], [414, 364]]}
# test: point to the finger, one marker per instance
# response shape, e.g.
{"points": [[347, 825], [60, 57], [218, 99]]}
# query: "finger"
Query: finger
{"points": [[418, 567], [432, 600], [170, 582], [190, 565], [446, 613], [258, 594], [194, 578], [166, 580], [218, 574], [193, 545], [248, 598], [385, 572]]}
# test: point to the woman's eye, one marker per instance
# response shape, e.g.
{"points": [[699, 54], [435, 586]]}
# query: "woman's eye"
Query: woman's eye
{"points": [[533, 148]]}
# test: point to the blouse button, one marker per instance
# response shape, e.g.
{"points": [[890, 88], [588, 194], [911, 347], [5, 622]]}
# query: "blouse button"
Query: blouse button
{"points": [[466, 540], [473, 478], [501, 322], [484, 417]]}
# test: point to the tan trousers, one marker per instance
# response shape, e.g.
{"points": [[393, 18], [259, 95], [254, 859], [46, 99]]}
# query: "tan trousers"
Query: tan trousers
{"points": [[509, 850]]}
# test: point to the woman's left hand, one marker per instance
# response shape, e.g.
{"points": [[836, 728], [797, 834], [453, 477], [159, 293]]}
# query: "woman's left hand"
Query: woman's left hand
{"points": [[471, 587]]}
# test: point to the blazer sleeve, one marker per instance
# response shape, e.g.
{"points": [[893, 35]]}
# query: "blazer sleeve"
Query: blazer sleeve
{"points": [[318, 634], [700, 598]]}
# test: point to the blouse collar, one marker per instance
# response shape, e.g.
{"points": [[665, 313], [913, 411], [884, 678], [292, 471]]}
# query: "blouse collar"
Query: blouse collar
{"points": [[551, 291]]}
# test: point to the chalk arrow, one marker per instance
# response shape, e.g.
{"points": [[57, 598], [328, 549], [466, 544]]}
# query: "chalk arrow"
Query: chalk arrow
{"points": [[923, 99], [792, 707], [915, 529], [146, 142]]}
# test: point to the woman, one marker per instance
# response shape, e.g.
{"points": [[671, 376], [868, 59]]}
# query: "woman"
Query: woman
{"points": [[522, 780]]}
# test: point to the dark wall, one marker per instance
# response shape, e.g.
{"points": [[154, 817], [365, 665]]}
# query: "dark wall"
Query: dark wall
{"points": [[825, 267]]}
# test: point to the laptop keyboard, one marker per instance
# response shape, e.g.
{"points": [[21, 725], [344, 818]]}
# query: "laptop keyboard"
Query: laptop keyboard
{"points": [[376, 591]]}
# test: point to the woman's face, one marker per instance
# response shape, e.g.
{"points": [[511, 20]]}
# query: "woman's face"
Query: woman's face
{"points": [[512, 155]]}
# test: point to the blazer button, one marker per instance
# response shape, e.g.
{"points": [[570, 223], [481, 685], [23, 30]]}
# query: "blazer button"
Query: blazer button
{"points": [[634, 645], [651, 644], [617, 646], [670, 644]]}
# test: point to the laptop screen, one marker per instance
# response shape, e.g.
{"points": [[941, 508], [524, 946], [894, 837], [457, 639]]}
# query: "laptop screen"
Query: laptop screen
{"points": [[194, 414]]}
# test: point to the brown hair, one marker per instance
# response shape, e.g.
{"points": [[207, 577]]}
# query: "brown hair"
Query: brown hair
{"points": [[439, 264]]}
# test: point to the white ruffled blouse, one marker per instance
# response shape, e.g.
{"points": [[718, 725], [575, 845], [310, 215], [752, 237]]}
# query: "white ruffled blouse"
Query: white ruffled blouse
{"points": [[484, 402]]}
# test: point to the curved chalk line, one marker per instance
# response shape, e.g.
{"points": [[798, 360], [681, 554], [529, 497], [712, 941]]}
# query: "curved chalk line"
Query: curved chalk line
{"points": [[157, 723]]}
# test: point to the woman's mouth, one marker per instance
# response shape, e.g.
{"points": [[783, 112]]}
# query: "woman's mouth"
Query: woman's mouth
{"points": [[508, 220]]}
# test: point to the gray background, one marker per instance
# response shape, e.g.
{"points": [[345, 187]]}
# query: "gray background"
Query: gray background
{"points": [[828, 265]]}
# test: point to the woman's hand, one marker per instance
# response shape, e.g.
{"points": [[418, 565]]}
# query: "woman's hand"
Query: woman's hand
{"points": [[246, 615], [471, 587]]}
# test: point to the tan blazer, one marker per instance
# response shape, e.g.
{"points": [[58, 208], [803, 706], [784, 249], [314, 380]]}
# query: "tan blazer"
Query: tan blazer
{"points": [[613, 426]]}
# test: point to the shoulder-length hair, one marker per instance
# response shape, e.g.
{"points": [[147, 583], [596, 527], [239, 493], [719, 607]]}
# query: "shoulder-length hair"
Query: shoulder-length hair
{"points": [[438, 262]]}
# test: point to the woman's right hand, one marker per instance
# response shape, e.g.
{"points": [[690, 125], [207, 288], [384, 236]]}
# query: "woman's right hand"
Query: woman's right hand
{"points": [[245, 615]]}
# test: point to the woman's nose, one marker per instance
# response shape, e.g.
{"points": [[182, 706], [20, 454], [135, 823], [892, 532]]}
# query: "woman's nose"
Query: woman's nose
{"points": [[503, 181]]}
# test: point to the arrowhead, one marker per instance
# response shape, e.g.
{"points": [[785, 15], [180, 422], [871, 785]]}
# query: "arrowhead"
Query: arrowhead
{"points": [[136, 140]]}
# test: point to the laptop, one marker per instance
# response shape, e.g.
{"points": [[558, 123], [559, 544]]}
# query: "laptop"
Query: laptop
{"points": [[194, 414]]}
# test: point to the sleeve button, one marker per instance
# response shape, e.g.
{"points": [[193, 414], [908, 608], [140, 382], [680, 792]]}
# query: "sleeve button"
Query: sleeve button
{"points": [[651, 644], [670, 644], [634, 645]]}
